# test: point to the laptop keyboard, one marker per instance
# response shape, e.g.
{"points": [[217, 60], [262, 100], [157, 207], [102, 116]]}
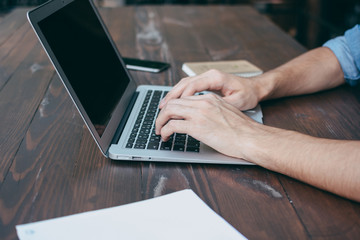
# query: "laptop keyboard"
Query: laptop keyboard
{"points": [[143, 133]]}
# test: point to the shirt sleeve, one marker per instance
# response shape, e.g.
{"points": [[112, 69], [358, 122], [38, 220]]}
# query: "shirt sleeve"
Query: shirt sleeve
{"points": [[347, 50]]}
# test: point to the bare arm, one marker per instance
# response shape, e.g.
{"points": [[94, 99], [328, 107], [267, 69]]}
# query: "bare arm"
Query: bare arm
{"points": [[332, 165], [313, 71]]}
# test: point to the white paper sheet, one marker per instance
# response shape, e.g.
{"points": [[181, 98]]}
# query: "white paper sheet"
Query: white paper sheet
{"points": [[180, 215]]}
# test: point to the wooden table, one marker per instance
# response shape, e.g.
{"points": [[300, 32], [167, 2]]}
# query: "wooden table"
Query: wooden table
{"points": [[51, 167]]}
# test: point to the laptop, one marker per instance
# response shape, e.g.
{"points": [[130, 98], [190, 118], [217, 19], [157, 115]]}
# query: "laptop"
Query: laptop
{"points": [[117, 112]]}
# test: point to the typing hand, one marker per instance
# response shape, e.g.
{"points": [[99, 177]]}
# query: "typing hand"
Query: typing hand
{"points": [[240, 92], [210, 119]]}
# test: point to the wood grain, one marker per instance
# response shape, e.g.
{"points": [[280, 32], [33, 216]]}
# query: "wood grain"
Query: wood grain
{"points": [[18, 104], [50, 166], [11, 23]]}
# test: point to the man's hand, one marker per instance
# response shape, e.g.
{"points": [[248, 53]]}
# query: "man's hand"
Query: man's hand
{"points": [[242, 93], [209, 119]]}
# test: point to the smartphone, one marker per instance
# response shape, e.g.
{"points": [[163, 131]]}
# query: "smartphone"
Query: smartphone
{"points": [[145, 65]]}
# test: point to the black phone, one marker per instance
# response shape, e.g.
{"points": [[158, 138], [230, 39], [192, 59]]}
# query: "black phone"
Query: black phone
{"points": [[145, 65]]}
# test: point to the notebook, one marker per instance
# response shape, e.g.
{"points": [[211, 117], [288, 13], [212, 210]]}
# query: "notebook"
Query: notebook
{"points": [[107, 98], [242, 68]]}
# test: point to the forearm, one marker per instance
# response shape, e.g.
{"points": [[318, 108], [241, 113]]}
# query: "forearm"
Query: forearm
{"points": [[332, 165], [313, 71]]}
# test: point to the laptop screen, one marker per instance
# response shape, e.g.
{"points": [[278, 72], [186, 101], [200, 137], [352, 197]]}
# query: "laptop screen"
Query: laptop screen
{"points": [[88, 60]]}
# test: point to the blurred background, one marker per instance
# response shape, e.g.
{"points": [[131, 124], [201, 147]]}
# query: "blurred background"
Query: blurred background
{"points": [[310, 22]]}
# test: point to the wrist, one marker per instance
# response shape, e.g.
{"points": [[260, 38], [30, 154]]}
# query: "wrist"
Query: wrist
{"points": [[264, 152], [266, 85]]}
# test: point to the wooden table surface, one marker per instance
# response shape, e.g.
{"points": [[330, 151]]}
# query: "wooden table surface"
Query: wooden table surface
{"points": [[51, 167]]}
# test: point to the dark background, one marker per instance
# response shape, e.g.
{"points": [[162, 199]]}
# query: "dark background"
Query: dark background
{"points": [[311, 22]]}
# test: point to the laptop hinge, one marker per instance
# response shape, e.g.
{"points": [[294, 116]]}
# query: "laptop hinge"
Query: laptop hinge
{"points": [[121, 127]]}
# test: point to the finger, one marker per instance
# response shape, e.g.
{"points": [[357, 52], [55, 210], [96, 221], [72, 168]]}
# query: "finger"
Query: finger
{"points": [[175, 92], [174, 126], [215, 99], [183, 108], [175, 109], [198, 84], [209, 100], [210, 80]]}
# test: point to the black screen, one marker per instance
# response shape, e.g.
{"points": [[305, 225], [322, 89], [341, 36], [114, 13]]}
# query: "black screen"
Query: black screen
{"points": [[88, 59]]}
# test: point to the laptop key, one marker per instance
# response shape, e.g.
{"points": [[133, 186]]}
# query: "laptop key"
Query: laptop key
{"points": [[143, 136], [193, 144], [139, 146], [166, 145], [153, 146], [192, 149], [141, 141], [179, 142], [179, 148], [155, 138]]}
